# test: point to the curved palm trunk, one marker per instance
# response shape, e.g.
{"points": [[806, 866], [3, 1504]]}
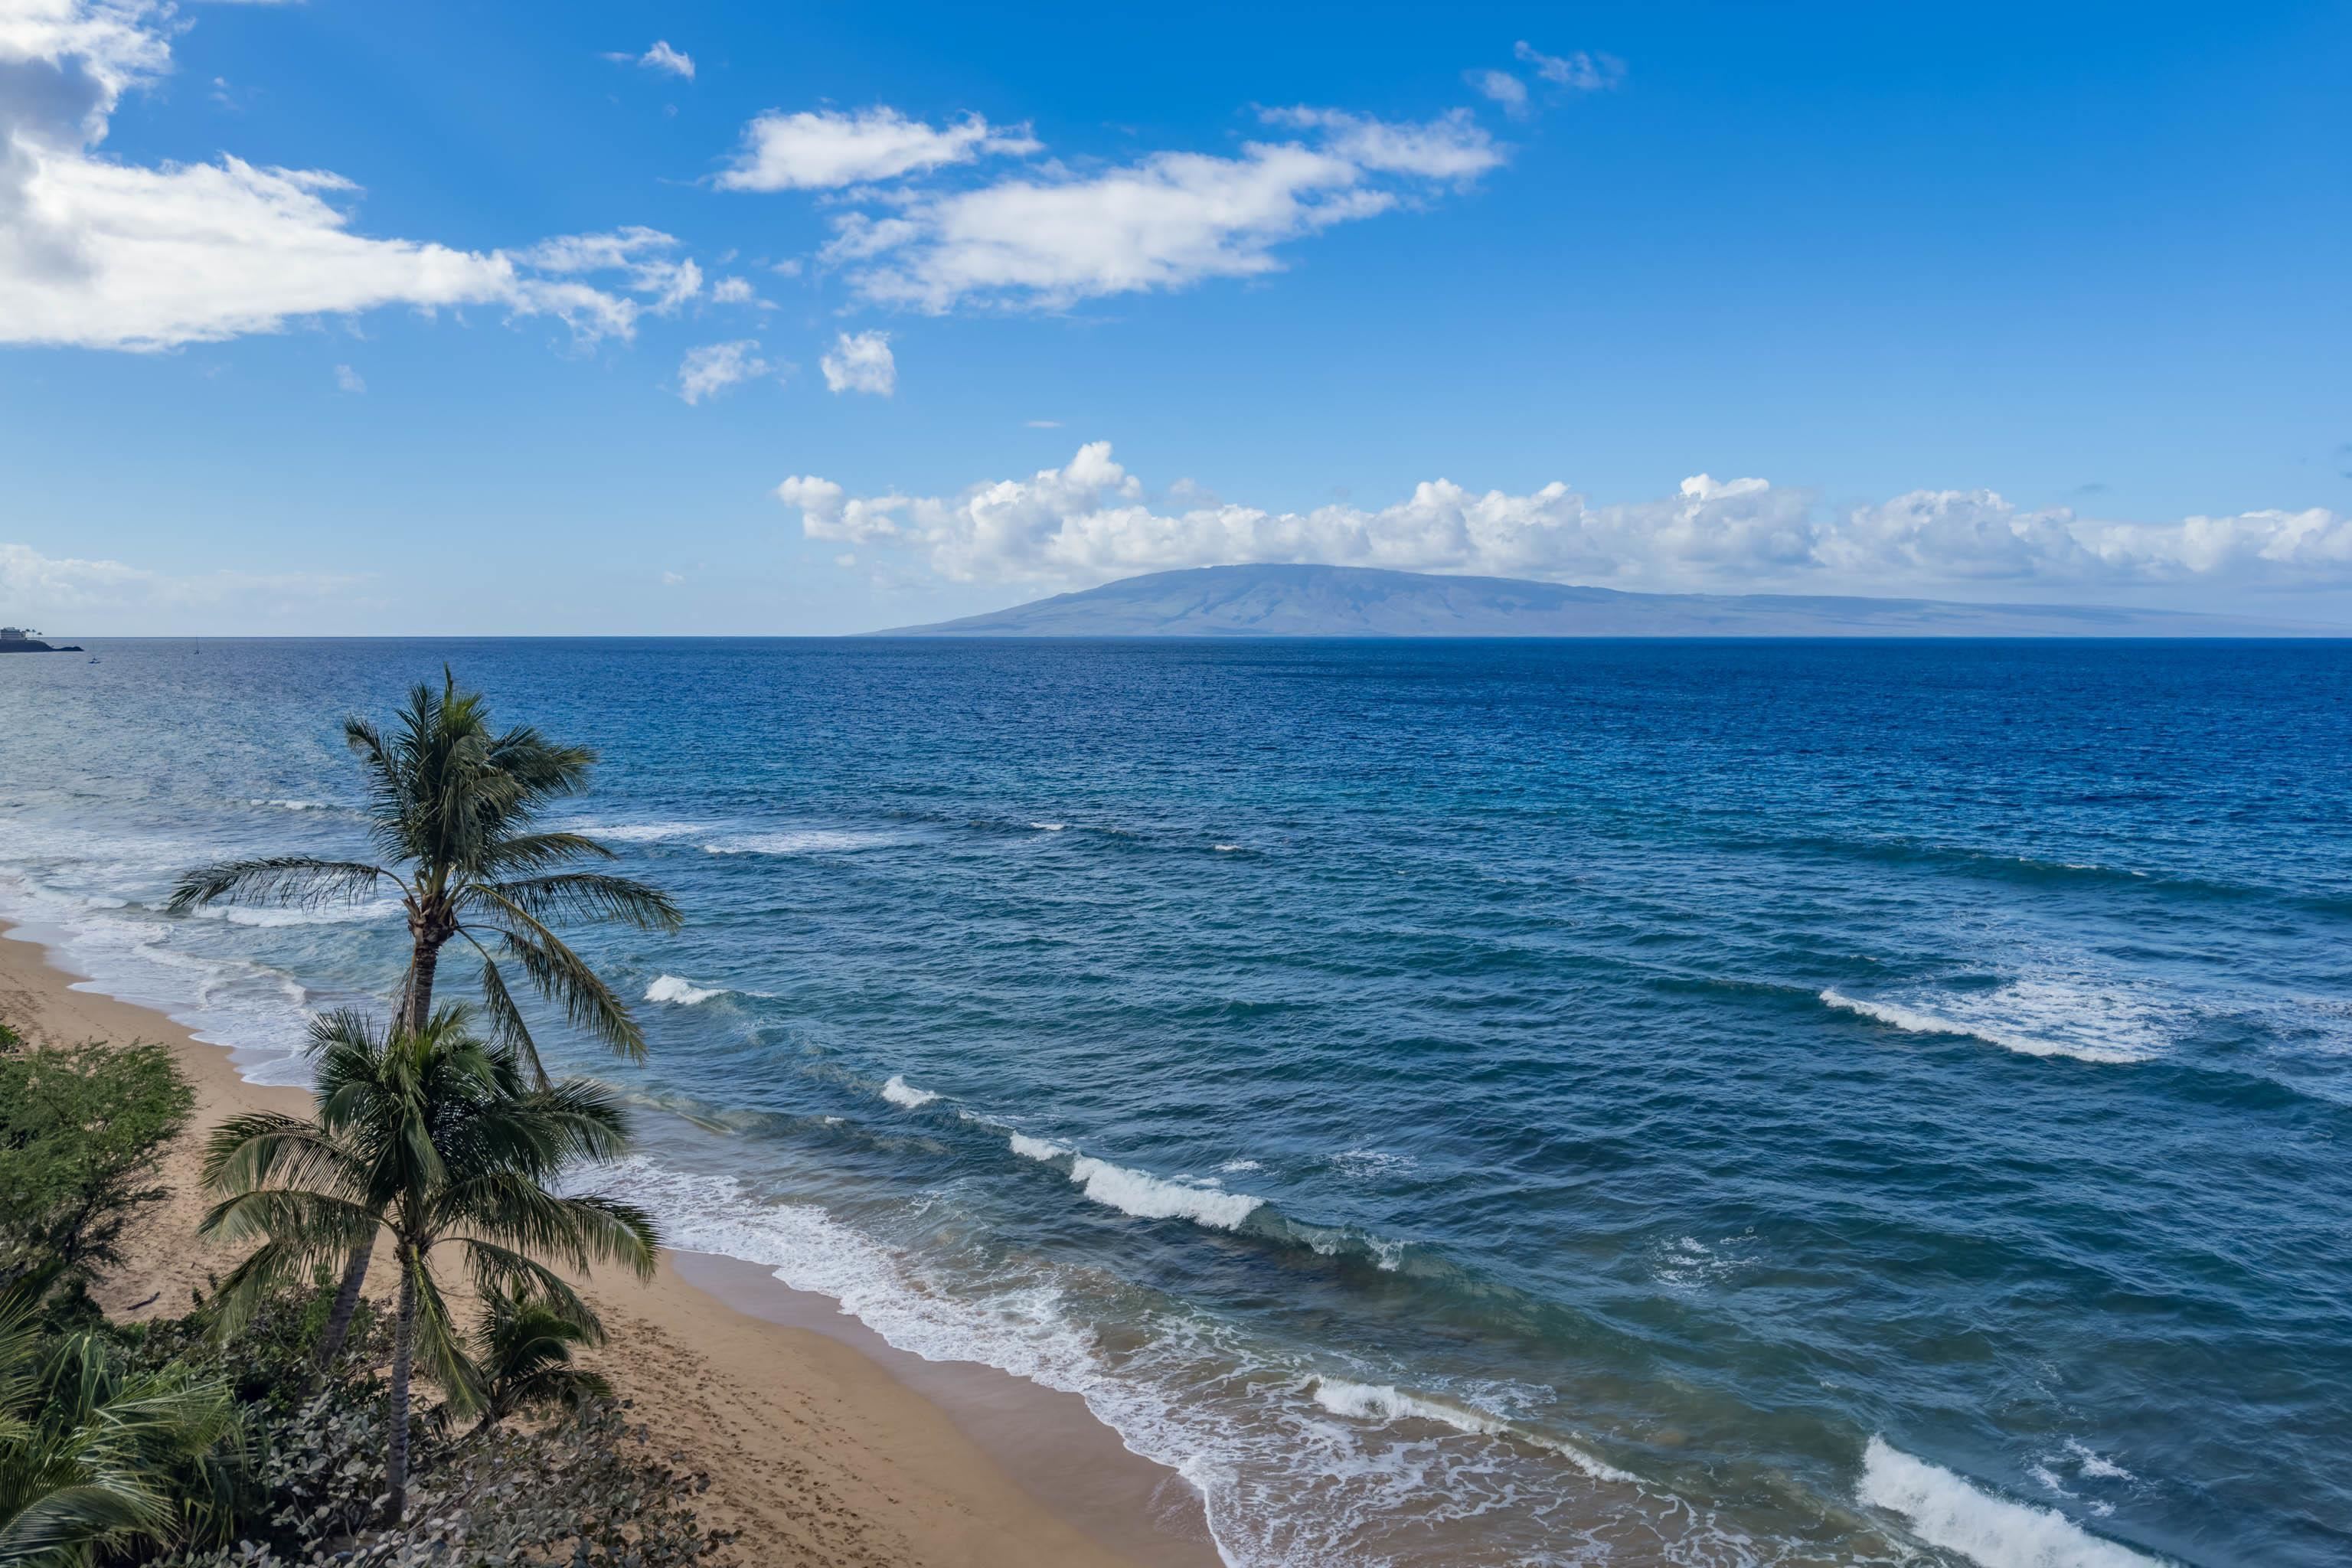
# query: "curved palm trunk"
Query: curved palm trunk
{"points": [[415, 1007], [395, 1467]]}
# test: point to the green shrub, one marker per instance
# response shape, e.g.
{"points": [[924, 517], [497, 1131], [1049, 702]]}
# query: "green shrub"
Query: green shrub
{"points": [[80, 1128]]}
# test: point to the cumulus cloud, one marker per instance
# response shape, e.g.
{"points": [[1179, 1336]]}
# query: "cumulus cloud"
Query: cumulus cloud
{"points": [[713, 368], [861, 362], [1091, 521], [1577, 72], [349, 380], [660, 57], [97, 252], [1171, 219], [733, 291], [827, 149]]}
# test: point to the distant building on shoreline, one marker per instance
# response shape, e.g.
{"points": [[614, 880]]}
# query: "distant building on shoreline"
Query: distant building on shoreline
{"points": [[16, 634]]}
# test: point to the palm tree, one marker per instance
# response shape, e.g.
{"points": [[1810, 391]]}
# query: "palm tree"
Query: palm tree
{"points": [[454, 808], [523, 1352], [435, 1140], [93, 1455]]}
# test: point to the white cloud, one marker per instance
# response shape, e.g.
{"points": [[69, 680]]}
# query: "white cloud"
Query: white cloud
{"points": [[1044, 424], [1503, 87], [713, 368], [1167, 221], [349, 380], [861, 362], [733, 291], [1577, 71], [97, 252], [70, 596], [662, 57], [827, 149], [1091, 521]]}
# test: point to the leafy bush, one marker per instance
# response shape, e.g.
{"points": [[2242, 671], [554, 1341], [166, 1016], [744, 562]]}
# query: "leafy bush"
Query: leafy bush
{"points": [[80, 1128]]}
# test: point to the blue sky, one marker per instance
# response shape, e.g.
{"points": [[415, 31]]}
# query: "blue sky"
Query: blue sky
{"points": [[887, 313]]}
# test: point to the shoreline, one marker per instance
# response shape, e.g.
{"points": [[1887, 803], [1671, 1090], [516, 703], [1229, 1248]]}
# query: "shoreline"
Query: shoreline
{"points": [[822, 1442]]}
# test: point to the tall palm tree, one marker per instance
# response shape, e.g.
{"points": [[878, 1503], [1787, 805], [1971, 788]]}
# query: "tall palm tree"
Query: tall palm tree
{"points": [[454, 808], [453, 811], [438, 1142], [93, 1454]]}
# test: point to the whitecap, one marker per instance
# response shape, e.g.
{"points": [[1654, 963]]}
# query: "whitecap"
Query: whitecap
{"points": [[1030, 1148], [637, 832], [2032, 1017], [898, 1092], [1147, 1196], [1945, 1511], [798, 841], [1383, 1403], [682, 993], [1237, 1167], [1225, 848], [1049, 827]]}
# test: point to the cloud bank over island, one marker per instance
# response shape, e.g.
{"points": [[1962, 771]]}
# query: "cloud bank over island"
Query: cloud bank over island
{"points": [[1091, 521]]}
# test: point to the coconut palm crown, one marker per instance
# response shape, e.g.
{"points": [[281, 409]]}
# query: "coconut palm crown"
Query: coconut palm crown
{"points": [[435, 1140], [455, 809]]}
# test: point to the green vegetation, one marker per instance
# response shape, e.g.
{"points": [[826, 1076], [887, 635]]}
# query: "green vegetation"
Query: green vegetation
{"points": [[79, 1131]]}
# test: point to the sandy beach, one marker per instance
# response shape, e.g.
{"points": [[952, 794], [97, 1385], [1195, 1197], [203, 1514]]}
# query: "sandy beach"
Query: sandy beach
{"points": [[823, 1446]]}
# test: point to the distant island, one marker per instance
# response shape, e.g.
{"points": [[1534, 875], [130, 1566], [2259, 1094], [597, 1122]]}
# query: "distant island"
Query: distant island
{"points": [[16, 640], [1367, 602]]}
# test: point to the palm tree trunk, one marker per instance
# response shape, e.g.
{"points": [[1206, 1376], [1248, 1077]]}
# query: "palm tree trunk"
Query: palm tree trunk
{"points": [[417, 1005], [395, 1463], [347, 1301], [414, 1008]]}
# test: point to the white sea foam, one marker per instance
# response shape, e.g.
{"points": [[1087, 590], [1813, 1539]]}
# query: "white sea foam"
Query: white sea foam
{"points": [[296, 804], [1049, 827], [637, 832], [2092, 1464], [1362, 1164], [1147, 1196], [898, 1092], [1030, 1148], [1945, 1511], [2032, 1017], [680, 992], [798, 841], [1237, 1167], [1225, 848], [1382, 1403]]}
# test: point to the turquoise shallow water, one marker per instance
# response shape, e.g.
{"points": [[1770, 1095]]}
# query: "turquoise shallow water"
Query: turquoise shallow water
{"points": [[1458, 1103]]}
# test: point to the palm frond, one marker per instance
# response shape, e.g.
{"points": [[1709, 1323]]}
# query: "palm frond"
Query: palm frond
{"points": [[564, 977], [590, 896], [296, 881]]}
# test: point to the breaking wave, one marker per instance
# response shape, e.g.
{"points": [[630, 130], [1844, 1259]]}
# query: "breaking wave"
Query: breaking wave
{"points": [[2032, 1017], [1945, 1511], [1381, 1403], [898, 1092], [679, 993]]}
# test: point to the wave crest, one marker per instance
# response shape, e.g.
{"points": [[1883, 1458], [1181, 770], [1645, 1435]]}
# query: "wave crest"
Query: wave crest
{"points": [[900, 1092], [1947, 1511], [679, 992]]}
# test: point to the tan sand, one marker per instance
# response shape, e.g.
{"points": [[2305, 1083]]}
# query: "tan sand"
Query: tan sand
{"points": [[816, 1451]]}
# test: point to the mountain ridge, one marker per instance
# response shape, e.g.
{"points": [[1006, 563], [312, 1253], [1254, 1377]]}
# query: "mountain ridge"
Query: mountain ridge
{"points": [[1278, 601]]}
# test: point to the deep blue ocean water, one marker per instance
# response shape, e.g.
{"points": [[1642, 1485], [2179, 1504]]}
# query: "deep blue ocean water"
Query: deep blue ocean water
{"points": [[1466, 1103]]}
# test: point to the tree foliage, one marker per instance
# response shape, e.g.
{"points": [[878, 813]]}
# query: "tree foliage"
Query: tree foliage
{"points": [[80, 1128]]}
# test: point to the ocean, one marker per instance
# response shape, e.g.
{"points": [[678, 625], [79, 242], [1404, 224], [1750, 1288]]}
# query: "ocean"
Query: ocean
{"points": [[1468, 1103]]}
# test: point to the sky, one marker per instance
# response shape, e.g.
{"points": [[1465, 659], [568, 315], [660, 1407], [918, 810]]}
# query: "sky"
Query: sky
{"points": [[338, 317]]}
